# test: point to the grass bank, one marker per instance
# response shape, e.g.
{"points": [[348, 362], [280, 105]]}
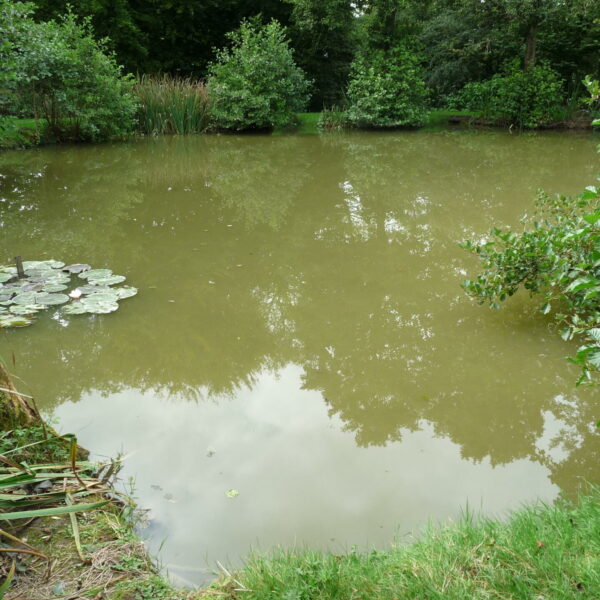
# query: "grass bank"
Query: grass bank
{"points": [[541, 552]]}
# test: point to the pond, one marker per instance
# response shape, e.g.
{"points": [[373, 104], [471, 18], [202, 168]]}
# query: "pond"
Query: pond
{"points": [[301, 366]]}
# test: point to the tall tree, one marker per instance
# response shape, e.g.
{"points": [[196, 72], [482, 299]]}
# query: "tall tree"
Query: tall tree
{"points": [[178, 36], [323, 37]]}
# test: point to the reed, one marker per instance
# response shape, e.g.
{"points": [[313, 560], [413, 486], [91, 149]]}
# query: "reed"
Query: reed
{"points": [[172, 105]]}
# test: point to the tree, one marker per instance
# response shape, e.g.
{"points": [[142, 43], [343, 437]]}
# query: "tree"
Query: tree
{"points": [[155, 36], [255, 84], [323, 37]]}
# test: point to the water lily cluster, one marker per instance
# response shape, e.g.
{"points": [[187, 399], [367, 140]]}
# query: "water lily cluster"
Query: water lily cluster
{"points": [[74, 289]]}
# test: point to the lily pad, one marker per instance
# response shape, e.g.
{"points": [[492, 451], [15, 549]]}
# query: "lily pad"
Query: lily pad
{"points": [[14, 321], [101, 308], [51, 299], [95, 273], [54, 287], [126, 291], [32, 287], [110, 280], [5, 277], [76, 268], [25, 298], [92, 289], [30, 309], [43, 264], [75, 308], [108, 295]]}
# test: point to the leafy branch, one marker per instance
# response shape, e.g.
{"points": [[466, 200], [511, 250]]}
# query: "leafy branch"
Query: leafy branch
{"points": [[557, 259]]}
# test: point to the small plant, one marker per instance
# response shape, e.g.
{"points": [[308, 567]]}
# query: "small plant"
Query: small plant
{"points": [[387, 89], [172, 105], [525, 99], [255, 84]]}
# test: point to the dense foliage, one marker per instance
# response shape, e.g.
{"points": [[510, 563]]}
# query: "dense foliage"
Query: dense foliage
{"points": [[522, 98], [462, 40], [322, 34], [386, 89], [556, 257], [255, 83], [61, 73]]}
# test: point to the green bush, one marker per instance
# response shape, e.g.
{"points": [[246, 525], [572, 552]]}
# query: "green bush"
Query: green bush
{"points": [[387, 89], [171, 105], [521, 98], [65, 76], [255, 84]]}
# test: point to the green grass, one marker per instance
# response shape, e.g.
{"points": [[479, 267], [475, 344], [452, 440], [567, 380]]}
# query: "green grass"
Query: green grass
{"points": [[543, 552], [22, 133], [443, 117]]}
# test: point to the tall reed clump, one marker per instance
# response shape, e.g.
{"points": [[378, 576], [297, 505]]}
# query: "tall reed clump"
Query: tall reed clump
{"points": [[172, 105]]}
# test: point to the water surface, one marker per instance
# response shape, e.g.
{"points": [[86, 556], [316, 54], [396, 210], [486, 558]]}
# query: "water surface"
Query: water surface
{"points": [[300, 335]]}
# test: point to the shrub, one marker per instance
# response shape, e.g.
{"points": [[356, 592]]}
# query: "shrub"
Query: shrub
{"points": [[387, 89], [65, 76], [171, 105], [255, 84], [521, 98]]}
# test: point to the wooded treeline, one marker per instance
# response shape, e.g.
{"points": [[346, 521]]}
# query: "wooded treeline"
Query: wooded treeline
{"points": [[458, 41]]}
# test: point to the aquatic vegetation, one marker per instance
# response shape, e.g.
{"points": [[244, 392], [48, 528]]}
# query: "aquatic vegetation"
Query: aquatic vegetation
{"points": [[172, 105], [33, 286]]}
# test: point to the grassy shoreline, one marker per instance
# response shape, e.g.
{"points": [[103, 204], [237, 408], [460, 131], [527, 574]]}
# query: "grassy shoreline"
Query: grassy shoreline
{"points": [[26, 133], [542, 552]]}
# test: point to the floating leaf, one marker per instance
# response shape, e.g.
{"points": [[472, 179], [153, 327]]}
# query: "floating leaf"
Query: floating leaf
{"points": [[77, 268], [102, 308], [51, 299], [14, 321], [31, 309], [75, 308], [5, 277], [108, 295], [54, 287], [109, 280], [125, 292], [92, 289], [95, 273], [43, 264], [25, 298], [32, 287], [232, 494]]}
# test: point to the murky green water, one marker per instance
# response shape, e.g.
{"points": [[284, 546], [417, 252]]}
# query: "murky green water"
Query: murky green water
{"points": [[300, 335]]}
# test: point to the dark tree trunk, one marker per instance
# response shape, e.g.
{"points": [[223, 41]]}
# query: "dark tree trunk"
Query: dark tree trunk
{"points": [[530, 45]]}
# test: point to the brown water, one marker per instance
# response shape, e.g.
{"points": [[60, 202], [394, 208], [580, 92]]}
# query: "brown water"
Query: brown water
{"points": [[300, 335]]}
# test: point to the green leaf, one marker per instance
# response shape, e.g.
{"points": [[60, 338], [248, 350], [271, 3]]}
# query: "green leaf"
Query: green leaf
{"points": [[50, 512], [9, 577]]}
